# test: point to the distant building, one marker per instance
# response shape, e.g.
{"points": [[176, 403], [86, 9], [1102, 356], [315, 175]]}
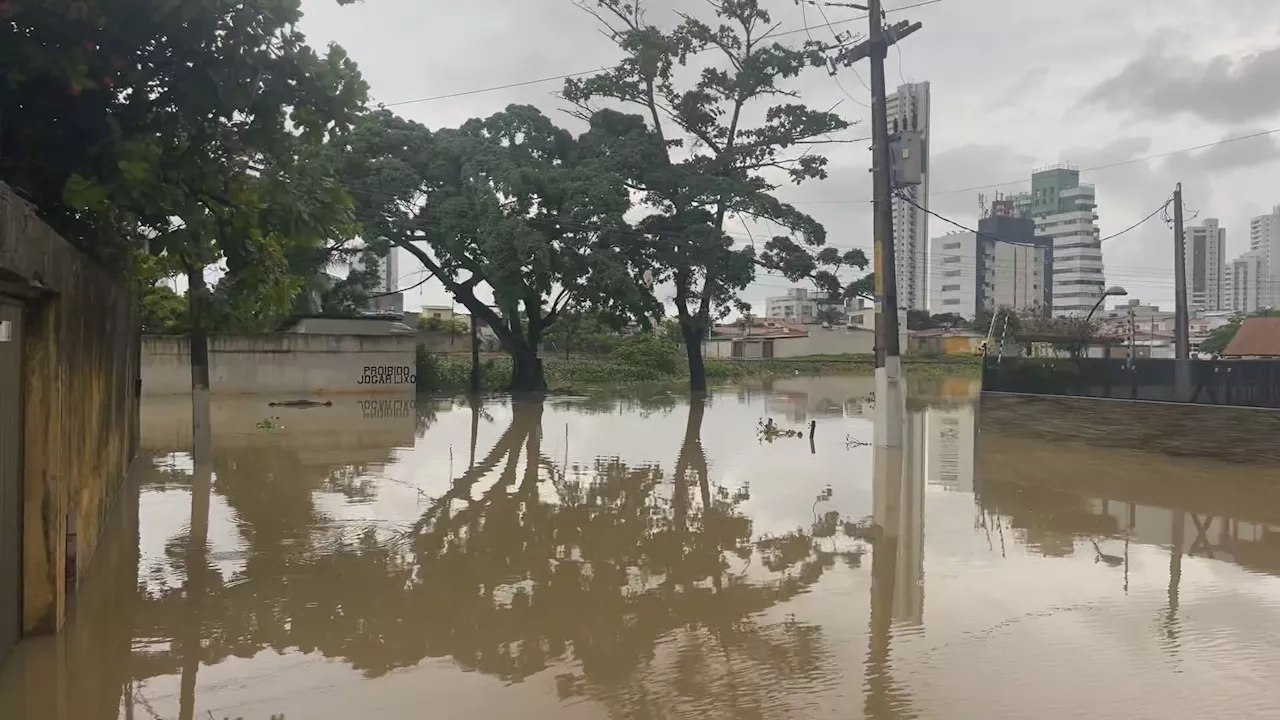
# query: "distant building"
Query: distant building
{"points": [[1206, 248], [862, 314], [777, 340], [798, 305], [1247, 283], [1065, 211], [1003, 265], [388, 297], [444, 313], [1147, 317], [908, 110], [1264, 241]]}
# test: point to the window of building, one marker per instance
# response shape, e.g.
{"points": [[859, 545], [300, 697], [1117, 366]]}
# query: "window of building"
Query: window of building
{"points": [[951, 273], [951, 302], [951, 260], [950, 288], [950, 246]]}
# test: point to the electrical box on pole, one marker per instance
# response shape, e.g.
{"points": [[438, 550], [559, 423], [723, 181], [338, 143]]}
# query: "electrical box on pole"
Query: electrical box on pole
{"points": [[908, 158]]}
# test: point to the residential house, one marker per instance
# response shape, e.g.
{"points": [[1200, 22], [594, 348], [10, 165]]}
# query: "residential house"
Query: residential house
{"points": [[1258, 337]]}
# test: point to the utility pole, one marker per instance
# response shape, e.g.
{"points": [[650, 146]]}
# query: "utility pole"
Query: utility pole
{"points": [[1181, 330], [1133, 336], [881, 165], [889, 410]]}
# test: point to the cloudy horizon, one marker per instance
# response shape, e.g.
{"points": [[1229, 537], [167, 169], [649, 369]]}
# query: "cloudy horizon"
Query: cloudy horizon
{"points": [[1015, 86]]}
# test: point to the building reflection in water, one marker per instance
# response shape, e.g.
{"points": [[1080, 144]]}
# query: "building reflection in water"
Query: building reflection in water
{"points": [[636, 588]]}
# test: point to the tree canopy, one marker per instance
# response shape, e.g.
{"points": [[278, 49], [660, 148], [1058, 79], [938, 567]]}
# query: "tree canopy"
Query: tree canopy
{"points": [[696, 159], [183, 129], [509, 204]]}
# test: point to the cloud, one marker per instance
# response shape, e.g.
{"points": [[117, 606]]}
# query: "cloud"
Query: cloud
{"points": [[1221, 90]]}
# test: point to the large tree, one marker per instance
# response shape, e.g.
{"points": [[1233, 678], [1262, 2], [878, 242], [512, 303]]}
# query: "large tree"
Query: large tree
{"points": [[697, 157], [178, 129], [515, 217]]}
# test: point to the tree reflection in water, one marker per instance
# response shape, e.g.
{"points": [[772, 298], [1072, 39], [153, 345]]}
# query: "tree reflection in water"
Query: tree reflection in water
{"points": [[619, 576]]}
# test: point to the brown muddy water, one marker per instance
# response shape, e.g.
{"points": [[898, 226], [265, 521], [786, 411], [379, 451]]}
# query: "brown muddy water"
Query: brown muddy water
{"points": [[652, 557]]}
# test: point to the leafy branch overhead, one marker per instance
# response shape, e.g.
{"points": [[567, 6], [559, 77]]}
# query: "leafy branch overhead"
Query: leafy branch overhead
{"points": [[695, 157], [193, 134]]}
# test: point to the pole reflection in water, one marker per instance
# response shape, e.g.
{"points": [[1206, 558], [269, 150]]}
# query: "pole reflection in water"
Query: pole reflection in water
{"points": [[649, 555], [897, 580]]}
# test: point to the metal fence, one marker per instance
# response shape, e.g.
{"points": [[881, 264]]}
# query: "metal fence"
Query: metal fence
{"points": [[1246, 383]]}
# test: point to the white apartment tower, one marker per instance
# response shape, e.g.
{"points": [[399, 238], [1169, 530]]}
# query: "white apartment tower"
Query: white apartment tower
{"points": [[908, 108], [1244, 283], [1205, 247], [1065, 213], [1264, 239]]}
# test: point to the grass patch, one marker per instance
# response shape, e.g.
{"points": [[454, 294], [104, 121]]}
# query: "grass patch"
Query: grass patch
{"points": [[447, 374]]}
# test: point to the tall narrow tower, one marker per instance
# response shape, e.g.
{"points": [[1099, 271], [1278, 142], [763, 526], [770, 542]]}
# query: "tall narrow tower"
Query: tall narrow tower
{"points": [[908, 109]]}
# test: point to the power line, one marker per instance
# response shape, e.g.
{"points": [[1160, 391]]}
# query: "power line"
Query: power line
{"points": [[566, 76], [903, 196], [1106, 166], [750, 238], [804, 17], [1121, 163]]}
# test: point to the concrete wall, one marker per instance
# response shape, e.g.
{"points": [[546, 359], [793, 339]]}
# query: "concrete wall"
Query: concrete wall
{"points": [[830, 341], [283, 366], [1233, 434], [820, 341], [80, 419]]}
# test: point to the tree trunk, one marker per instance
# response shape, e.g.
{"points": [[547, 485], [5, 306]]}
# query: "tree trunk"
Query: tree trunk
{"points": [[526, 369], [197, 300], [693, 350], [475, 362]]}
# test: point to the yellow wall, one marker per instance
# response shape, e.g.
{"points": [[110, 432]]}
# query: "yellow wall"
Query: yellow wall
{"points": [[80, 419]]}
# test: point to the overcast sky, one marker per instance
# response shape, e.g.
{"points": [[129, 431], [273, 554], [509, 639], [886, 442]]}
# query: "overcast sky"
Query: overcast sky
{"points": [[1017, 84]]}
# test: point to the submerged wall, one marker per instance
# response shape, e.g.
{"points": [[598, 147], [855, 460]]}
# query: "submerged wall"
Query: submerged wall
{"points": [[1233, 434], [79, 333], [284, 365]]}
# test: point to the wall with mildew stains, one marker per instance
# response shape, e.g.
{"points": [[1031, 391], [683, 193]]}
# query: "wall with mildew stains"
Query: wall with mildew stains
{"points": [[80, 368]]}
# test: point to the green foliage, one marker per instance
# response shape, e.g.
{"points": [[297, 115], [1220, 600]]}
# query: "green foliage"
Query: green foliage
{"points": [[163, 310], [457, 326], [1220, 338], [583, 332], [187, 130], [648, 350], [440, 373], [511, 202], [731, 165], [922, 320], [831, 315], [863, 287]]}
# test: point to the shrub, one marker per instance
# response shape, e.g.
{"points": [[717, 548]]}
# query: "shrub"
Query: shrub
{"points": [[648, 351]]}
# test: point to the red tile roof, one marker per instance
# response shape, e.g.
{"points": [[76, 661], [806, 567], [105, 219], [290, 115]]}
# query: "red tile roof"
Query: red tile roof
{"points": [[1257, 337]]}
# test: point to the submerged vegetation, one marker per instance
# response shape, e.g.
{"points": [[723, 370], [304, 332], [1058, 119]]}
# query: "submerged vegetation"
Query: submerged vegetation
{"points": [[442, 373]]}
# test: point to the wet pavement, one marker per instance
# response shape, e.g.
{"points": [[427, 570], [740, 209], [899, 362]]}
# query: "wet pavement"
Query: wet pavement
{"points": [[642, 555]]}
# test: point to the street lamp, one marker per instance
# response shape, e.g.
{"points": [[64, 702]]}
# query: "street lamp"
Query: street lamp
{"points": [[1113, 291]]}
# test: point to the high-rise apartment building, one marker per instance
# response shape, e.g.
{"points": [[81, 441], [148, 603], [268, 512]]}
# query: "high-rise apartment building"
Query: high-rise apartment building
{"points": [[1264, 239], [1206, 249], [1065, 212], [1246, 281], [908, 109], [387, 297], [1004, 264]]}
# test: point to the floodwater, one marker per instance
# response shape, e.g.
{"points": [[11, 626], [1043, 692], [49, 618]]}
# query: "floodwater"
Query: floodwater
{"points": [[645, 556]]}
